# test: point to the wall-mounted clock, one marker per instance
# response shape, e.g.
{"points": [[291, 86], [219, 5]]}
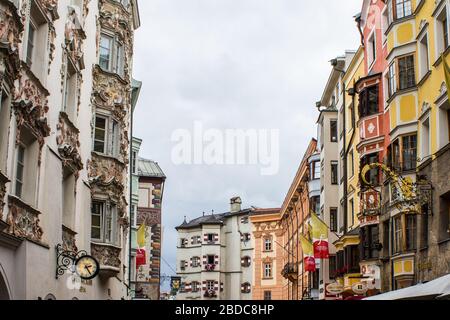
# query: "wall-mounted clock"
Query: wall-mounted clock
{"points": [[87, 267]]}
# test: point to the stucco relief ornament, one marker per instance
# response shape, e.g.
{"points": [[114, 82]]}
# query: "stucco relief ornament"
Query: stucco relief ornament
{"points": [[68, 143], [107, 256], [24, 221], [86, 8], [3, 181], [31, 107], [9, 32]]}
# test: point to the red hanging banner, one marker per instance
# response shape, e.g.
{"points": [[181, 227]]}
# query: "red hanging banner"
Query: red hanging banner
{"points": [[310, 264], [140, 258]]}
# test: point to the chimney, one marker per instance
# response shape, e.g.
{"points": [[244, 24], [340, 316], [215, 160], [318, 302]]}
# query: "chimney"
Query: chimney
{"points": [[235, 204]]}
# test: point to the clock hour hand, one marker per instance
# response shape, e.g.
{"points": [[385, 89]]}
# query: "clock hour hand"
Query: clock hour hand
{"points": [[88, 269]]}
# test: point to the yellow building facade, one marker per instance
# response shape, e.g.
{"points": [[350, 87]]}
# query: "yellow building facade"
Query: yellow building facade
{"points": [[347, 247], [415, 242]]}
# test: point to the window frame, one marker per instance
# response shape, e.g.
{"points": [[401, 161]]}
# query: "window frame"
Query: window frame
{"points": [[116, 54], [334, 132], [111, 144], [268, 270], [109, 214], [268, 247], [18, 191]]}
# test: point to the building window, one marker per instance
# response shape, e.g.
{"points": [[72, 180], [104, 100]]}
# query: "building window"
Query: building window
{"points": [[403, 8], [183, 242], [100, 134], [315, 170], [133, 215], [334, 130], [352, 212], [370, 240], [391, 80], [315, 205], [371, 49], [333, 219], [195, 287], [182, 265], [424, 56], [246, 262], [403, 153], [372, 176], [334, 172], [411, 232], [210, 285], [30, 42], [442, 31], [425, 140], [106, 136], [20, 168], [105, 52], [406, 73], [245, 237], [70, 90], [409, 152], [398, 235], [444, 217], [196, 240], [352, 259], [351, 163], [196, 262], [267, 295], [267, 244], [111, 56], [134, 162], [104, 222], [368, 101], [246, 288], [267, 270], [37, 41], [332, 267]]}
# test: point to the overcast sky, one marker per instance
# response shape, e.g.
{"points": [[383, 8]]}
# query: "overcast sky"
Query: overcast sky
{"points": [[233, 64]]}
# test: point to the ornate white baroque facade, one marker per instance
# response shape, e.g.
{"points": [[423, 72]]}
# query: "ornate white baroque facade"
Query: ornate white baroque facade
{"points": [[215, 256], [65, 115]]}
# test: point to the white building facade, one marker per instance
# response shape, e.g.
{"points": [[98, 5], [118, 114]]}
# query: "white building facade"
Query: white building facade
{"points": [[215, 256], [66, 106]]}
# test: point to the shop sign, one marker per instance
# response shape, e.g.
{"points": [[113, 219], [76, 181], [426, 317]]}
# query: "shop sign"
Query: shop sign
{"points": [[360, 288], [334, 289]]}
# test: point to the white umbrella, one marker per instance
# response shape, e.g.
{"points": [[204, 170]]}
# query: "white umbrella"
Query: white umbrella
{"points": [[438, 288]]}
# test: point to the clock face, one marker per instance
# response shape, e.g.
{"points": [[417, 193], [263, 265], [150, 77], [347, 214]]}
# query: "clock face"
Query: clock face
{"points": [[87, 267]]}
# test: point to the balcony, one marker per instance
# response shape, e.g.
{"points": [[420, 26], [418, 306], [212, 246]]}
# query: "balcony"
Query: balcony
{"points": [[290, 272], [108, 256], [23, 220]]}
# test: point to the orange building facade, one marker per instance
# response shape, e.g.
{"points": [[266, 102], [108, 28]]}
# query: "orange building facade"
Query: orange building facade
{"points": [[268, 254], [295, 212]]}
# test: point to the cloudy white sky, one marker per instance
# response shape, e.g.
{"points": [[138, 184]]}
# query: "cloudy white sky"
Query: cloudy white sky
{"points": [[246, 64]]}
